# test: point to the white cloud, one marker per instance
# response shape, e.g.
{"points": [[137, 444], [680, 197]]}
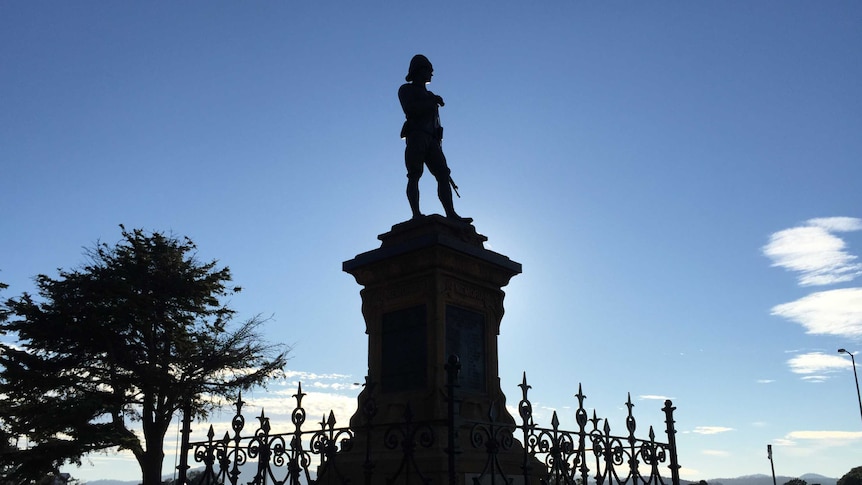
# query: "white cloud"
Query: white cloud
{"points": [[815, 379], [335, 386], [783, 442], [711, 429], [820, 439], [720, 453], [832, 312], [825, 435], [813, 251], [838, 224], [815, 364], [317, 407], [689, 473], [278, 404], [765, 381], [301, 375], [654, 397]]}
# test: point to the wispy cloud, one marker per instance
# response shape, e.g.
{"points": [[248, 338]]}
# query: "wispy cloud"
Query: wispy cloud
{"points": [[278, 403], [832, 312], [815, 252], [654, 397], [825, 435], [815, 379], [837, 224], [720, 453], [765, 381], [815, 365], [689, 473], [783, 442], [820, 438], [303, 376], [820, 257], [711, 429]]}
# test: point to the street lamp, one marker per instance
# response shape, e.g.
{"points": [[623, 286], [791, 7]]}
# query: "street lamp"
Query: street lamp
{"points": [[771, 463], [853, 360]]}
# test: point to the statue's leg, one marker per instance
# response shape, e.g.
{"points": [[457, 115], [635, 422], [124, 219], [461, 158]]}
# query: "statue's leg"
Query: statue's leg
{"points": [[438, 167], [413, 196], [413, 161], [444, 192]]}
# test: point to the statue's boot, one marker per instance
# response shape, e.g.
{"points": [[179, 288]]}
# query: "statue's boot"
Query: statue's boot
{"points": [[445, 194], [413, 198]]}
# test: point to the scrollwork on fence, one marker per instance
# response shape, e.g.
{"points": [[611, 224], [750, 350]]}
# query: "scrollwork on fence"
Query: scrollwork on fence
{"points": [[551, 455], [567, 455], [282, 458]]}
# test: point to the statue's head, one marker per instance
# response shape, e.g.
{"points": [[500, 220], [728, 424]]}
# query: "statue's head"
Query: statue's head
{"points": [[416, 64]]}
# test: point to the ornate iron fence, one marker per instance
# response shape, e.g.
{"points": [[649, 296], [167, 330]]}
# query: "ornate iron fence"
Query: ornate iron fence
{"points": [[588, 454]]}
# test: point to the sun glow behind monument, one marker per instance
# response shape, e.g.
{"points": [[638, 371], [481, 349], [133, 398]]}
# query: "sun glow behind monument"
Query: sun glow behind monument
{"points": [[634, 159]]}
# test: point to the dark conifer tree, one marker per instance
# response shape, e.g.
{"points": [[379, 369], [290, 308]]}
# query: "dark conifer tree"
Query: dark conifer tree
{"points": [[118, 346]]}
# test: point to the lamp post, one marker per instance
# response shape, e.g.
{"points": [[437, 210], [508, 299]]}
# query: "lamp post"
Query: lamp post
{"points": [[855, 376], [771, 463]]}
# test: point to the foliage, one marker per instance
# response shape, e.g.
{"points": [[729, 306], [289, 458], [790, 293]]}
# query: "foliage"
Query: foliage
{"points": [[7, 441], [796, 481], [120, 345], [853, 477]]}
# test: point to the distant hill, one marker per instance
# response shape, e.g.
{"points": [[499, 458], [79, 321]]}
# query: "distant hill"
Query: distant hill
{"points": [[113, 482], [811, 478]]}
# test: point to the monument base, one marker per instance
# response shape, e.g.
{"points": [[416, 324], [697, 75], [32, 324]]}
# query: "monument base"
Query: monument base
{"points": [[430, 291]]}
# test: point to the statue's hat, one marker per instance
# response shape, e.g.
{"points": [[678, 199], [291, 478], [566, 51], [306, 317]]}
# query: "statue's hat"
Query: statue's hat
{"points": [[419, 61]]}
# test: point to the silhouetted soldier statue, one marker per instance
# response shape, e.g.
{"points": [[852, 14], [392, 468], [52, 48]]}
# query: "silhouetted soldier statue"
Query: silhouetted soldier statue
{"points": [[424, 137]]}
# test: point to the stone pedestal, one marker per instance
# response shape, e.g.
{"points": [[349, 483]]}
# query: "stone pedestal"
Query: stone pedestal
{"points": [[429, 291]]}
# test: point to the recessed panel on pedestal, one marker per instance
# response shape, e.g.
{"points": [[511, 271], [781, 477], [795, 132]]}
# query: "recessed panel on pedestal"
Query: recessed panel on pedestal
{"points": [[404, 348], [465, 337]]}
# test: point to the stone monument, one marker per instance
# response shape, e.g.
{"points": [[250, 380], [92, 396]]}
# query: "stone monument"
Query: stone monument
{"points": [[432, 295], [432, 290]]}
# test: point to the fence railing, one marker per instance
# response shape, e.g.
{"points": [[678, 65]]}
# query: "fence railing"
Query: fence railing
{"points": [[550, 455]]}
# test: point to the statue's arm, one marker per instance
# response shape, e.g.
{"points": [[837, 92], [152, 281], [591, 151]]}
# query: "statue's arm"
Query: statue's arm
{"points": [[416, 102]]}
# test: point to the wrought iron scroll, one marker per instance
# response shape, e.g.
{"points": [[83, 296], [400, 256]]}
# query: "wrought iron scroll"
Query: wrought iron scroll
{"points": [[591, 453], [281, 458]]}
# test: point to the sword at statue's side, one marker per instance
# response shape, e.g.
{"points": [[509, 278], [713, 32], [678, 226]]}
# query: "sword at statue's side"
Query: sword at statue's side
{"points": [[455, 187]]}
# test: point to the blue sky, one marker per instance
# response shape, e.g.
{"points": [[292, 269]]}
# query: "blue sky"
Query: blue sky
{"points": [[679, 180]]}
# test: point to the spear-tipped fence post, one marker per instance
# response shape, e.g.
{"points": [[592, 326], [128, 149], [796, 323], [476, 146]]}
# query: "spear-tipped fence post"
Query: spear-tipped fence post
{"points": [[184, 446], [525, 411], [671, 441]]}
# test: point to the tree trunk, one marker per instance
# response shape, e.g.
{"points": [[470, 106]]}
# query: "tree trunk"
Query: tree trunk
{"points": [[151, 465], [154, 454]]}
